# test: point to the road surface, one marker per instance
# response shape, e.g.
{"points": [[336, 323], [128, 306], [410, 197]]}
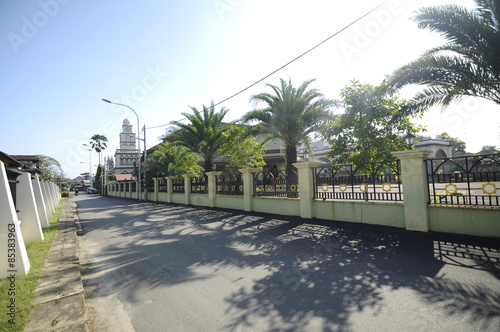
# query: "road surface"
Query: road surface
{"points": [[162, 267]]}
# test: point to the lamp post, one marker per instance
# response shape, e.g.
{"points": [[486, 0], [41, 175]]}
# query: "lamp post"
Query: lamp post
{"points": [[90, 163], [410, 139], [138, 144]]}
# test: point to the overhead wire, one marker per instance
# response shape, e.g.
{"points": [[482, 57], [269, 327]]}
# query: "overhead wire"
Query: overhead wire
{"points": [[285, 65]]}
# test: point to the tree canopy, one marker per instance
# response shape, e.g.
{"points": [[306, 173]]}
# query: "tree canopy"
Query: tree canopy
{"points": [[467, 65], [51, 168], [172, 160], [371, 127], [99, 142], [291, 114], [241, 150], [203, 134]]}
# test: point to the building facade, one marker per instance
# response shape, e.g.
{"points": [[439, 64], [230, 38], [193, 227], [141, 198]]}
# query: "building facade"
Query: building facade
{"points": [[126, 156]]}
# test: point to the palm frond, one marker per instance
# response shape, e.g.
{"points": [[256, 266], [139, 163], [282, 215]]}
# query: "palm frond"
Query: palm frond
{"points": [[468, 64]]}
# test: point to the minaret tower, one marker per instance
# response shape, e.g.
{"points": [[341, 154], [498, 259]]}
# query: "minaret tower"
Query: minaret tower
{"points": [[126, 154]]}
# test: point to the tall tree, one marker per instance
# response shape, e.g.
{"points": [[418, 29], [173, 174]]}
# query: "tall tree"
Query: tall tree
{"points": [[110, 166], [371, 127], [203, 134], [241, 150], [489, 149], [171, 160], [467, 65], [51, 168], [291, 114], [99, 144]]}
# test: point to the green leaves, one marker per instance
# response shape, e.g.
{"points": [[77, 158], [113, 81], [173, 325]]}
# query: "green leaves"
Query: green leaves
{"points": [[371, 127], [241, 150], [468, 65], [99, 142], [291, 114], [51, 168], [204, 134], [172, 160]]}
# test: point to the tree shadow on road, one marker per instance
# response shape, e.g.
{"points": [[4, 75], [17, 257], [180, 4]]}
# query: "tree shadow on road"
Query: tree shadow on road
{"points": [[320, 275]]}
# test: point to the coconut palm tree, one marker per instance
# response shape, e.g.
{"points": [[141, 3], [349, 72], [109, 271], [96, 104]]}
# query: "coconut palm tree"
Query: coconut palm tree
{"points": [[203, 134], [467, 65], [292, 114]]}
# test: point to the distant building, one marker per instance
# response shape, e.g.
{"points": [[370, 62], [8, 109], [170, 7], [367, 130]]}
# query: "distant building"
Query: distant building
{"points": [[439, 148], [126, 155], [30, 163]]}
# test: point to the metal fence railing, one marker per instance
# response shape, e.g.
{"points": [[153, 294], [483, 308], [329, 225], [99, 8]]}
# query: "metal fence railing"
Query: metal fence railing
{"points": [[229, 184], [178, 185], [162, 185], [467, 180], [276, 184], [374, 181], [199, 185]]}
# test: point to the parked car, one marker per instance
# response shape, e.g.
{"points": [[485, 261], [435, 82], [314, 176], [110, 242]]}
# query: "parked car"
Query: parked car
{"points": [[91, 190]]}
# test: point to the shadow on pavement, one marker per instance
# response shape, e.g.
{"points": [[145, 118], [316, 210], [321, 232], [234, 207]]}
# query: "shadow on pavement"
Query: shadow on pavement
{"points": [[319, 271]]}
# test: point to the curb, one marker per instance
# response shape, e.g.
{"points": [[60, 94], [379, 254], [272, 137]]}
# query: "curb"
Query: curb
{"points": [[59, 298]]}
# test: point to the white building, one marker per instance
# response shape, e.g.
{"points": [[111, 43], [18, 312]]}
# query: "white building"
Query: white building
{"points": [[126, 156]]}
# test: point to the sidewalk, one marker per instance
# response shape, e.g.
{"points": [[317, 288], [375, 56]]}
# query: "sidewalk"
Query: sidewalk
{"points": [[59, 299]]}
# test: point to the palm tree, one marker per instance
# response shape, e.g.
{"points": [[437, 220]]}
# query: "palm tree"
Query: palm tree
{"points": [[203, 135], [467, 65], [292, 114], [99, 144]]}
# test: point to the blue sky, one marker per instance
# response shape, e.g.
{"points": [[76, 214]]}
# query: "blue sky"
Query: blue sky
{"points": [[59, 58]]}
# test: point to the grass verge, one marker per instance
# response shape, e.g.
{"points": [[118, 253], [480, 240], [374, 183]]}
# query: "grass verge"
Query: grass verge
{"points": [[25, 286]]}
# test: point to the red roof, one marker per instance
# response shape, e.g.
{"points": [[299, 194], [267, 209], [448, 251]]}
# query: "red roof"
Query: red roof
{"points": [[125, 177]]}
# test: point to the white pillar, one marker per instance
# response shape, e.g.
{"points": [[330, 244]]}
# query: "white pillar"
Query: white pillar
{"points": [[306, 187], [27, 211], [247, 175], [53, 191], [170, 188], [55, 194], [212, 187], [156, 189], [415, 189], [40, 202], [46, 196], [14, 260], [187, 189]]}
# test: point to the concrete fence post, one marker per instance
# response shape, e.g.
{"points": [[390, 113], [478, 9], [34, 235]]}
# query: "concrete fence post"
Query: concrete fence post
{"points": [[170, 187], [11, 238], [27, 210], [156, 188], [46, 199], [40, 202], [415, 189], [248, 179], [306, 187], [187, 188], [137, 190], [212, 187]]}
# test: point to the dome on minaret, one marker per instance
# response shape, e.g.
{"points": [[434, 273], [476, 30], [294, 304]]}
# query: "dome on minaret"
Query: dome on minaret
{"points": [[126, 122]]}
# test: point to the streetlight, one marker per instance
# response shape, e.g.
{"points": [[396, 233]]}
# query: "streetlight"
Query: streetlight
{"points": [[138, 144], [410, 139], [90, 163]]}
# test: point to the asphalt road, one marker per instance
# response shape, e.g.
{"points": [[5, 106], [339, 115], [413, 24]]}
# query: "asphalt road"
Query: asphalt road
{"points": [[161, 267]]}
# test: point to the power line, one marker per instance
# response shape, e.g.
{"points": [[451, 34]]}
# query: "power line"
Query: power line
{"points": [[288, 63]]}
